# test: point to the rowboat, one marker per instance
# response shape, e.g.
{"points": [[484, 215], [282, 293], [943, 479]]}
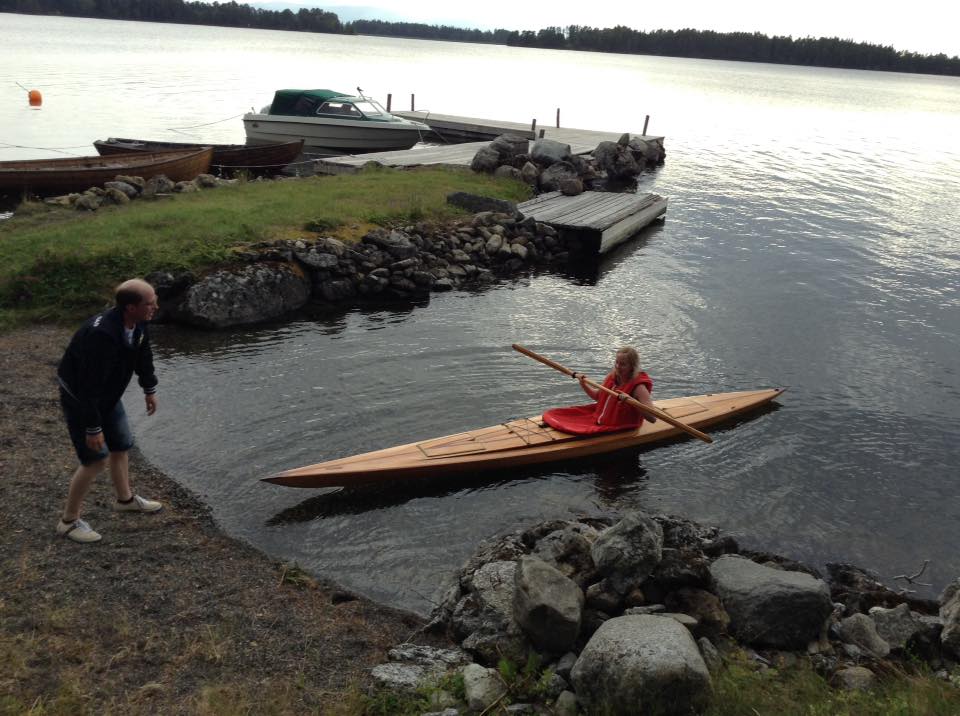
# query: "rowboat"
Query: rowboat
{"points": [[526, 441], [227, 158], [51, 176], [332, 122]]}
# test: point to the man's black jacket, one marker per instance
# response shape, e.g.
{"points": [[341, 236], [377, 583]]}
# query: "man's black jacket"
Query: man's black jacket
{"points": [[98, 364]]}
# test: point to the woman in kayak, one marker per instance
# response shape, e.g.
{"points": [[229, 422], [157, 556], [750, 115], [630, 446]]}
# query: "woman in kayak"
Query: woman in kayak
{"points": [[608, 414]]}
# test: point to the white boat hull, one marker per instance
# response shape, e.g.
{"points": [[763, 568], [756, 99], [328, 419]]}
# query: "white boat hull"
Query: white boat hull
{"points": [[343, 136]]}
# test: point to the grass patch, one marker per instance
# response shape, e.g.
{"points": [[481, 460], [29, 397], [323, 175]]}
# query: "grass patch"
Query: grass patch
{"points": [[58, 264], [800, 690]]}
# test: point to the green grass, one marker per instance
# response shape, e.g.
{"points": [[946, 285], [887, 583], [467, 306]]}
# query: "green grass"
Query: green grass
{"points": [[799, 690], [58, 264]]}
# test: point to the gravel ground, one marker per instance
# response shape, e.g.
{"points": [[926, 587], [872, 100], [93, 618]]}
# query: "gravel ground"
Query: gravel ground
{"points": [[166, 614]]}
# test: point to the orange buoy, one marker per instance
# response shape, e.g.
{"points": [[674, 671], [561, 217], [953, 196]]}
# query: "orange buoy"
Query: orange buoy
{"points": [[36, 99]]}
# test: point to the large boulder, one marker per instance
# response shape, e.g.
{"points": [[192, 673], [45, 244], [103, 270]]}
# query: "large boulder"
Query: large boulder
{"points": [[771, 607], [898, 626], [547, 605], [248, 294], [860, 630], [641, 664], [628, 551], [483, 615], [616, 160], [395, 243], [485, 160], [509, 146], [549, 151], [950, 613]]}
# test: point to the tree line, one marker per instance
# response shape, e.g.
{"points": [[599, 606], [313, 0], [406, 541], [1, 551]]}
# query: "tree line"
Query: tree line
{"points": [[702, 44]]}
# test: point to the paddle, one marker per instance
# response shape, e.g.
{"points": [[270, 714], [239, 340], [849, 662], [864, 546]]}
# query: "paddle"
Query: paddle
{"points": [[646, 409]]}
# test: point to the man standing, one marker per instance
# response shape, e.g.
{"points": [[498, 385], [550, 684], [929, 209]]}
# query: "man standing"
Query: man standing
{"points": [[93, 374]]}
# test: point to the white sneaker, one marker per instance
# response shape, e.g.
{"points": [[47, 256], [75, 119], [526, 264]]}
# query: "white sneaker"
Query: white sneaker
{"points": [[78, 531], [138, 504]]}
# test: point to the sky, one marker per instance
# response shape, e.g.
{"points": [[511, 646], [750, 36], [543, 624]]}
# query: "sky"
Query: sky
{"points": [[925, 26]]}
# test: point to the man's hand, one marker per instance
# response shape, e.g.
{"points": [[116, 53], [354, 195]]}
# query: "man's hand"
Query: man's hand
{"points": [[95, 442], [151, 399]]}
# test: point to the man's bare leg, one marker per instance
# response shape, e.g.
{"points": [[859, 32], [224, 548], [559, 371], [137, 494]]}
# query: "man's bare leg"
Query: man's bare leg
{"points": [[79, 487], [120, 474]]}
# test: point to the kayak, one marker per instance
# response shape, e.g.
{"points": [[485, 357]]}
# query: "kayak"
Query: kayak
{"points": [[525, 441]]}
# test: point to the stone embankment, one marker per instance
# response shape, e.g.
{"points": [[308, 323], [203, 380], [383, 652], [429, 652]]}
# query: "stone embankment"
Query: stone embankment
{"points": [[405, 263], [551, 166], [634, 616], [124, 189]]}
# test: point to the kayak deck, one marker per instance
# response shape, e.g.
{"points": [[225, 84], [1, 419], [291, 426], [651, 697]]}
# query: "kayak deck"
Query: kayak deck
{"points": [[525, 441]]}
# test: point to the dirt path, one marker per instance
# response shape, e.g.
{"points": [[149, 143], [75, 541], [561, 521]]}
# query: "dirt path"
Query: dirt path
{"points": [[166, 614]]}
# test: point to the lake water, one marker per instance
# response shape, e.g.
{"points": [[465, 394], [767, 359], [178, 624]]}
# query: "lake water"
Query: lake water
{"points": [[811, 241]]}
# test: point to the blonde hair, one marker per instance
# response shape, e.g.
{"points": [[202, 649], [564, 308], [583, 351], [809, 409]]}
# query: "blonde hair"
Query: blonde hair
{"points": [[630, 353]]}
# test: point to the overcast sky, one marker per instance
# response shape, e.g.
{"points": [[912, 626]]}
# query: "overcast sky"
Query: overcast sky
{"points": [[927, 26]]}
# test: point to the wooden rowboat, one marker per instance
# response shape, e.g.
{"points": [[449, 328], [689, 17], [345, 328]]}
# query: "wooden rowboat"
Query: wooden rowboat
{"points": [[53, 176], [227, 158], [526, 441]]}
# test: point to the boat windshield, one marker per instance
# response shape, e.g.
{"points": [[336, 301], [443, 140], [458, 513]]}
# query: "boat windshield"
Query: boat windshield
{"points": [[339, 108], [372, 109]]}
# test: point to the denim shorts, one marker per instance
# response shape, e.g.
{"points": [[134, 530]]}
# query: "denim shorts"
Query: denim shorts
{"points": [[116, 430]]}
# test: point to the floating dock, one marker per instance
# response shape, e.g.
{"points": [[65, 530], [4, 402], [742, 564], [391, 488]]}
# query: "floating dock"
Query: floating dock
{"points": [[594, 222], [452, 128]]}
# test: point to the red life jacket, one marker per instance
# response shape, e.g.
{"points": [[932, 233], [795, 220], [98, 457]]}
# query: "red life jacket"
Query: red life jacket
{"points": [[613, 412], [616, 415]]}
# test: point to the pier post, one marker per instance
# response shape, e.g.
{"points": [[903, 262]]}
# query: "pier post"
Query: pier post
{"points": [[645, 123], [558, 118], [542, 131], [389, 101], [411, 102], [533, 127]]}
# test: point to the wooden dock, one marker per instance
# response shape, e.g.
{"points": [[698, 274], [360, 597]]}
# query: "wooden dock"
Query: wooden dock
{"points": [[594, 222], [581, 141]]}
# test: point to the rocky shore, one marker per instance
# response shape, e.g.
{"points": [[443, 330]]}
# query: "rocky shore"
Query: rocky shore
{"points": [[633, 616]]}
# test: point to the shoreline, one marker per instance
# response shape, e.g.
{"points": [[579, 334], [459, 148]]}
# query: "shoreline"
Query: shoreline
{"points": [[167, 612]]}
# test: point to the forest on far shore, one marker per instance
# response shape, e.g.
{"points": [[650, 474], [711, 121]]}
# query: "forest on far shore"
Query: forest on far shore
{"points": [[701, 44]]}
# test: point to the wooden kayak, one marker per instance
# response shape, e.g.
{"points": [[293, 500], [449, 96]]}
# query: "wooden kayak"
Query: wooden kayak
{"points": [[525, 441]]}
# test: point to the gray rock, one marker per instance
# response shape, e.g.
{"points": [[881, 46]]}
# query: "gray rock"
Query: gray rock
{"points": [[185, 187], [628, 551], [855, 678], [430, 657], [137, 182], [641, 664], [566, 704], [616, 160], [485, 160], [565, 664], [482, 686], [897, 626], [547, 605], [158, 184], [317, 260], [475, 203], [115, 196], [571, 186], [87, 202], [551, 177], [509, 146], [245, 295], [394, 243], [548, 151], [206, 181], [128, 189], [398, 677], [530, 173], [860, 630], [508, 172], [711, 657], [771, 607], [950, 614]]}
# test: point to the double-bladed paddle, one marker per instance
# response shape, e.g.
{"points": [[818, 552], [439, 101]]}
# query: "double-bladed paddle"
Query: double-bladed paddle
{"points": [[645, 409]]}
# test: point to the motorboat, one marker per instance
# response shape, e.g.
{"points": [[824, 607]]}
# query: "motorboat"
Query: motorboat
{"points": [[331, 122]]}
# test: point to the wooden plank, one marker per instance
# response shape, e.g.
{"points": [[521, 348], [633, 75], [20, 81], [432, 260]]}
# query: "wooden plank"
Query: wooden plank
{"points": [[627, 228]]}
